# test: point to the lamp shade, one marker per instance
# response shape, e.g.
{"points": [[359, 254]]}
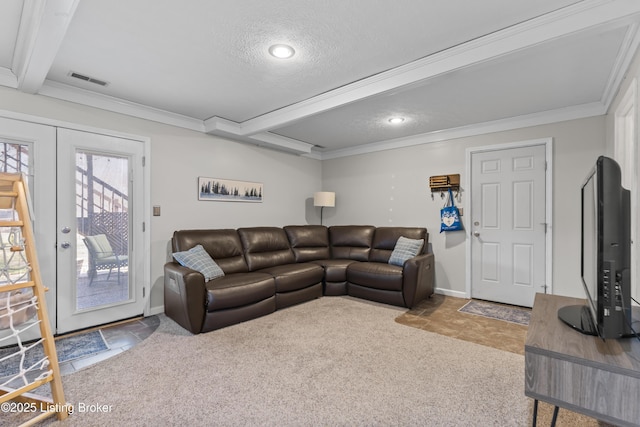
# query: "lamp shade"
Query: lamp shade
{"points": [[324, 198]]}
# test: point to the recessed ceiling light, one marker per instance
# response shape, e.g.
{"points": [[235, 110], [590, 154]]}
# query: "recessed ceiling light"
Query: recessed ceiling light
{"points": [[396, 120], [281, 51]]}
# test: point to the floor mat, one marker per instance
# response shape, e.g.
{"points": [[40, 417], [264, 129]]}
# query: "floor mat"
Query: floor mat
{"points": [[67, 348], [504, 312]]}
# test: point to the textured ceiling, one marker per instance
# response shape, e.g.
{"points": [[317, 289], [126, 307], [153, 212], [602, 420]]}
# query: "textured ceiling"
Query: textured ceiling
{"points": [[445, 65]]}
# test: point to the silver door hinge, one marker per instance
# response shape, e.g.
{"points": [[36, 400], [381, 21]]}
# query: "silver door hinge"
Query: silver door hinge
{"points": [[144, 226], [144, 292], [144, 161], [545, 227]]}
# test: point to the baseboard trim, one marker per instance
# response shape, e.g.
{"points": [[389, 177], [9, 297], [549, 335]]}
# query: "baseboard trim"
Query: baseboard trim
{"points": [[155, 310], [450, 293]]}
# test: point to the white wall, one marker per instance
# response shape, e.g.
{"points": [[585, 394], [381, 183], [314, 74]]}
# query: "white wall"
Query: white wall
{"points": [[178, 157], [384, 188], [392, 188]]}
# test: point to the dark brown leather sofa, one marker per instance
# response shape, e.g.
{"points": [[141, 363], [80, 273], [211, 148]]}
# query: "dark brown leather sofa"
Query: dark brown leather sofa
{"points": [[269, 268]]}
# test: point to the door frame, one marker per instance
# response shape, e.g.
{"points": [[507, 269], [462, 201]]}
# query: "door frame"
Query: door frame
{"points": [[548, 144], [627, 154], [146, 200]]}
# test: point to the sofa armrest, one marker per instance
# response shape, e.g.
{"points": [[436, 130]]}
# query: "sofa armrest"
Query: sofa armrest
{"points": [[417, 278], [185, 296]]}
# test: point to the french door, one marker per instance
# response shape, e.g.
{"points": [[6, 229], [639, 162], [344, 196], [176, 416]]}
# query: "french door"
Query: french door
{"points": [[100, 274], [24, 148], [508, 229], [84, 187]]}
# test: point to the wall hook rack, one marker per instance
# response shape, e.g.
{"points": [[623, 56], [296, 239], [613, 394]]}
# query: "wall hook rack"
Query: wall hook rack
{"points": [[444, 183]]}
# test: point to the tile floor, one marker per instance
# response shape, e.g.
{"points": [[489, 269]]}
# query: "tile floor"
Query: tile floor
{"points": [[440, 314], [119, 337]]}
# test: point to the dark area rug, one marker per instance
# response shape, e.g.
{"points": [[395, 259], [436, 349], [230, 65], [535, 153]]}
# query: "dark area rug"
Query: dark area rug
{"points": [[503, 312], [67, 348]]}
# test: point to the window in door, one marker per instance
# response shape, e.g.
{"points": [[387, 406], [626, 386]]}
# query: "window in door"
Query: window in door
{"points": [[102, 211]]}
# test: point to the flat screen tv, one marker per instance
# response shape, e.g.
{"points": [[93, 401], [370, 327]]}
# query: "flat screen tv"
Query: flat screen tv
{"points": [[606, 260]]}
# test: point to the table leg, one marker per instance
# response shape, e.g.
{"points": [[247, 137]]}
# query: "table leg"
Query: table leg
{"points": [[555, 416]]}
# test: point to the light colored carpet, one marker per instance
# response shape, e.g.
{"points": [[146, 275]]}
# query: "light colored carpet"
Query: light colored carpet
{"points": [[331, 361]]}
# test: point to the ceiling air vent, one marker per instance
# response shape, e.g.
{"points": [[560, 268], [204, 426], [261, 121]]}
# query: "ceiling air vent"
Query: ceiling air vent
{"points": [[88, 79]]}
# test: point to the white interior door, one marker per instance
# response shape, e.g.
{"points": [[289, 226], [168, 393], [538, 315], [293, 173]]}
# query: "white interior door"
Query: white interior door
{"points": [[508, 226], [99, 229]]}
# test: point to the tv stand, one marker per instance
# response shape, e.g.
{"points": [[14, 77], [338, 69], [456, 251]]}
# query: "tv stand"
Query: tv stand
{"points": [[579, 372]]}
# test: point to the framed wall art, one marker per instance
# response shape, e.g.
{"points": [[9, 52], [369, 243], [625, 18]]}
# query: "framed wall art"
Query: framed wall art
{"points": [[227, 190]]}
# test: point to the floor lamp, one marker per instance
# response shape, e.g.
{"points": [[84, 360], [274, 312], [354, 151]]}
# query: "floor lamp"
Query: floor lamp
{"points": [[324, 199]]}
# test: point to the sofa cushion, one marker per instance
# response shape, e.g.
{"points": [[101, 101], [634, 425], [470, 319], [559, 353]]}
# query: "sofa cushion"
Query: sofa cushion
{"points": [[308, 242], [405, 249], [198, 259], [222, 245], [291, 277], [351, 241], [238, 290], [265, 247], [385, 239], [375, 275], [335, 270]]}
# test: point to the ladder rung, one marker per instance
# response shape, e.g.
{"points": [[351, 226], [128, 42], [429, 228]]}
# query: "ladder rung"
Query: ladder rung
{"points": [[8, 194], [14, 286], [7, 394], [11, 223]]}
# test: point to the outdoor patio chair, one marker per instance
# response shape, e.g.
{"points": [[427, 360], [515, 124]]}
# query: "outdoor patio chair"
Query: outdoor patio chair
{"points": [[102, 256]]}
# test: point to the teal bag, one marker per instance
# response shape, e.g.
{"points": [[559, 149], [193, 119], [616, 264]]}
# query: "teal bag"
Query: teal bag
{"points": [[449, 216]]}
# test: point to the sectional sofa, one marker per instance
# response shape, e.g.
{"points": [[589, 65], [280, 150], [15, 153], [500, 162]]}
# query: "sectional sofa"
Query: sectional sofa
{"points": [[228, 276]]}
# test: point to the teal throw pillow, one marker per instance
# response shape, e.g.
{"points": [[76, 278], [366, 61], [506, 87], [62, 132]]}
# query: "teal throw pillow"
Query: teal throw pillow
{"points": [[405, 249], [198, 259]]}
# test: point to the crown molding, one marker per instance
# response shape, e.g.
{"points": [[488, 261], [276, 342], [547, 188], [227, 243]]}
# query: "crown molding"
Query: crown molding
{"points": [[117, 105], [282, 142], [536, 119], [7, 78], [623, 61]]}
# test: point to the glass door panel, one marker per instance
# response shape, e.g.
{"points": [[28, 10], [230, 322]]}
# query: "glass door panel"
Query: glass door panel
{"points": [[102, 217]]}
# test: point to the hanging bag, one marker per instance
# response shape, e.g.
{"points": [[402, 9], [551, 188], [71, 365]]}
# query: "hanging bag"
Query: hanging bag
{"points": [[449, 215]]}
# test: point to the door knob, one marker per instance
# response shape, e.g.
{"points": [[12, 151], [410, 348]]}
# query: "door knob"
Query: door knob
{"points": [[65, 245], [476, 233]]}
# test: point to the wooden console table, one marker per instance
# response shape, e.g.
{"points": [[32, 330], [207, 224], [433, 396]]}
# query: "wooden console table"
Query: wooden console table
{"points": [[582, 373]]}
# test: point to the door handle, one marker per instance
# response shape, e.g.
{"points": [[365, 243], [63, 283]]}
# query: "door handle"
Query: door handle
{"points": [[65, 245], [476, 233]]}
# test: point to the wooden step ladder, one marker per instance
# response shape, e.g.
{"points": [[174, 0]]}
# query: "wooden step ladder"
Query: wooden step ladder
{"points": [[14, 197]]}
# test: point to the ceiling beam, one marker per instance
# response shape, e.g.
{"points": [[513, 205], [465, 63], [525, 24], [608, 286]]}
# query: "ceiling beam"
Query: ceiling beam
{"points": [[43, 26], [579, 17]]}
